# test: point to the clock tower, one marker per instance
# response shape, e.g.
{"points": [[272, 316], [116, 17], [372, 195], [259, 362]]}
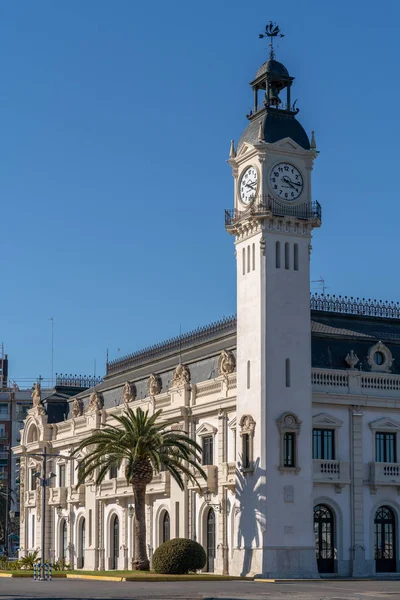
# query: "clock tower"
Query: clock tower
{"points": [[272, 222]]}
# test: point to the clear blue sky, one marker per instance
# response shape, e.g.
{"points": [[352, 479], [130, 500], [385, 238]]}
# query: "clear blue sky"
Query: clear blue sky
{"points": [[115, 123]]}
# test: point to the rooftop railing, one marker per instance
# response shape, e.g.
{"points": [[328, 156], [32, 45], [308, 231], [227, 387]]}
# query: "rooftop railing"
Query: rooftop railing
{"points": [[348, 305]]}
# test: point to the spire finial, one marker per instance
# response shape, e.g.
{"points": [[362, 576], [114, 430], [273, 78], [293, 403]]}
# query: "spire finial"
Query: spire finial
{"points": [[271, 31], [260, 131], [232, 151], [313, 144]]}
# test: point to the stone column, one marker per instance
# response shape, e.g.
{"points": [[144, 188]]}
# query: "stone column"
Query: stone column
{"points": [[359, 567], [222, 546]]}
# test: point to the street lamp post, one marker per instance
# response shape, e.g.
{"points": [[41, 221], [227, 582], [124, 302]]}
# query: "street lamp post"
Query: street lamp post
{"points": [[44, 482]]}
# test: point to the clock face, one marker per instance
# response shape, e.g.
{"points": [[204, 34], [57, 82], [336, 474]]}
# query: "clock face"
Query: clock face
{"points": [[248, 185], [286, 181]]}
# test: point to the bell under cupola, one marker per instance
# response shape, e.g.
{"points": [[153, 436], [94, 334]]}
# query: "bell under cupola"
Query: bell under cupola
{"points": [[273, 115]]}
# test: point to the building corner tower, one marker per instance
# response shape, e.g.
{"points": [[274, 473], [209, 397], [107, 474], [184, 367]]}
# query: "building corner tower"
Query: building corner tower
{"points": [[272, 222]]}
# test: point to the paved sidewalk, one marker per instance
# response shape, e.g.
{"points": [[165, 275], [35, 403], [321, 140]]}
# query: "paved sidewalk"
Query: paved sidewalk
{"points": [[20, 589]]}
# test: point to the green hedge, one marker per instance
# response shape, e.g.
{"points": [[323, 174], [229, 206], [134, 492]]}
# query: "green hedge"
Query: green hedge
{"points": [[178, 557]]}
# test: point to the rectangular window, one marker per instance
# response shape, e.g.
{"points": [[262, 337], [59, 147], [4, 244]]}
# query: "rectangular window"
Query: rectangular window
{"points": [[113, 474], [32, 480], [324, 444], [289, 440], [385, 447], [287, 372], [3, 410], [278, 255], [246, 450], [2, 431], [248, 259], [244, 260], [287, 257], [296, 257], [208, 450], [61, 476], [254, 257]]}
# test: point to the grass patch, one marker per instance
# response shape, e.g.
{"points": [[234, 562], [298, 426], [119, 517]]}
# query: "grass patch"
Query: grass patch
{"points": [[127, 575]]}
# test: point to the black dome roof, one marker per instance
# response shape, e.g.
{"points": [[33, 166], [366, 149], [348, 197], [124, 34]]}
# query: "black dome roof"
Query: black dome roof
{"points": [[272, 67], [276, 125]]}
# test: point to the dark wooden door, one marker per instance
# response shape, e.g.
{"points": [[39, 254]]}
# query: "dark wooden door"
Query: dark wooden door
{"points": [[115, 543], [385, 540]]}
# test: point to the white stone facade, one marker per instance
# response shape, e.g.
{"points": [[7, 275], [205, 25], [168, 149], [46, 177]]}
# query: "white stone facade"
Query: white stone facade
{"points": [[300, 435]]}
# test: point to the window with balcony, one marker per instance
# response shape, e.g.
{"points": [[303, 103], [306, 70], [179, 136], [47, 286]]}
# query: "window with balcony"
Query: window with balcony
{"points": [[385, 447], [289, 448], [208, 443], [324, 444], [61, 476]]}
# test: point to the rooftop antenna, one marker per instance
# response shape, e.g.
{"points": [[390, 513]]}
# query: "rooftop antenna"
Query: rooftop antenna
{"points": [[321, 280], [271, 31], [52, 350]]}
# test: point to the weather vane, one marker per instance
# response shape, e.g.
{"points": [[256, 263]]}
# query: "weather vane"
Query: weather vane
{"points": [[271, 31]]}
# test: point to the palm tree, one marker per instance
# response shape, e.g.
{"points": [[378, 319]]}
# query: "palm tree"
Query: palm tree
{"points": [[146, 447]]}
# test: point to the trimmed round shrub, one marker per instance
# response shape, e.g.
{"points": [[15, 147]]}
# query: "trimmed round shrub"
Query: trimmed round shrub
{"points": [[179, 556]]}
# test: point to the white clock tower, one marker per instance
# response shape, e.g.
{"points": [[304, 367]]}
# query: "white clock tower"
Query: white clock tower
{"points": [[272, 221]]}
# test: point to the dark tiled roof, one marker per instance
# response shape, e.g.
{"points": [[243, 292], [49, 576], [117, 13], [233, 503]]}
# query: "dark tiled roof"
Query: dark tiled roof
{"points": [[273, 67]]}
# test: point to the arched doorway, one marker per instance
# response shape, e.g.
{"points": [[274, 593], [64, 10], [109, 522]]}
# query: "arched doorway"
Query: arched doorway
{"points": [[385, 540], [324, 538], [114, 542], [82, 542], [166, 528], [210, 539], [63, 540]]}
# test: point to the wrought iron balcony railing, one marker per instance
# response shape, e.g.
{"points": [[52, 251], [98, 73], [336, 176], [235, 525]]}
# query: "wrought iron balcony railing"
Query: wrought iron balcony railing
{"points": [[266, 205]]}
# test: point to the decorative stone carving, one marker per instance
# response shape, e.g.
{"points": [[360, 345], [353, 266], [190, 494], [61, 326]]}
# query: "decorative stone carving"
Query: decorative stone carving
{"points": [[247, 424], [37, 399], [352, 359], [288, 422], [77, 408], [385, 358], [181, 376], [129, 392], [154, 385], [177, 427], [95, 402], [226, 362]]}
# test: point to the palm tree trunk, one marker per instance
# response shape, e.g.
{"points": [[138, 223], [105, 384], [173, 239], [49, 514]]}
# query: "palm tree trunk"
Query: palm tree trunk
{"points": [[140, 560]]}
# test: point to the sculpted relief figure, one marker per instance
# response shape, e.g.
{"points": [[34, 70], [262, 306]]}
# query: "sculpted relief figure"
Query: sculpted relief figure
{"points": [[129, 392], [226, 363], [154, 385], [77, 408], [37, 399], [95, 402], [181, 376]]}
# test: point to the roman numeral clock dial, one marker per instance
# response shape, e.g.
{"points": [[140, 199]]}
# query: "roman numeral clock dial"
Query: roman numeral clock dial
{"points": [[286, 182]]}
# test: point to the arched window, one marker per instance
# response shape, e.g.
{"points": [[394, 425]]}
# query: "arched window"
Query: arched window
{"points": [[324, 538], [63, 540], [210, 540], [247, 426], [32, 434], [166, 533], [114, 542], [278, 255], [385, 540]]}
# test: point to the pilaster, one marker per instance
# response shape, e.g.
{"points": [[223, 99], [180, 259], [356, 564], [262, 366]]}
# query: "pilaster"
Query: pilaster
{"points": [[359, 566]]}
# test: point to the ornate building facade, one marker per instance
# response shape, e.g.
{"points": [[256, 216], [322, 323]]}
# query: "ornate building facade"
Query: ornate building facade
{"points": [[295, 405]]}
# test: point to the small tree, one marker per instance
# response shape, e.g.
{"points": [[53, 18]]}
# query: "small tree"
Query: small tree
{"points": [[147, 446]]}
